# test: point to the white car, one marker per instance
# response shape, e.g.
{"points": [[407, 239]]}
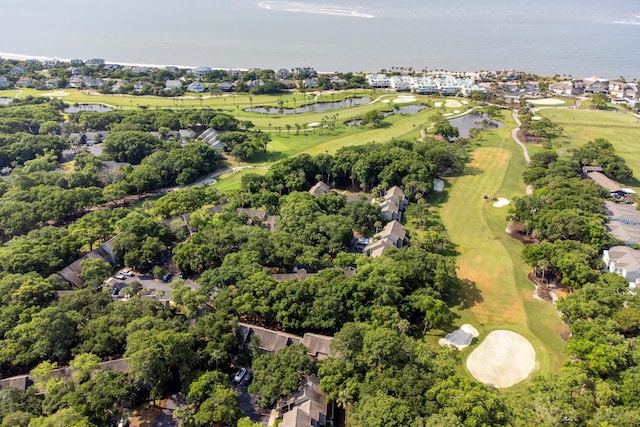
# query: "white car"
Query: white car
{"points": [[120, 276], [240, 375], [128, 273]]}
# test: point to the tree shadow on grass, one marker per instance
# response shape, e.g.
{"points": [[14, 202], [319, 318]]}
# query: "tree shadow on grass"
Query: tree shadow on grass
{"points": [[269, 156], [466, 295]]}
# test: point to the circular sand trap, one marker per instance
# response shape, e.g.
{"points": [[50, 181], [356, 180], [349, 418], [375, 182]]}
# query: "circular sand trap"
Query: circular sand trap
{"points": [[501, 202], [438, 185], [56, 93], [503, 359], [385, 101], [314, 124], [448, 114], [453, 103], [460, 338], [404, 99], [547, 101], [438, 104], [536, 118], [456, 111]]}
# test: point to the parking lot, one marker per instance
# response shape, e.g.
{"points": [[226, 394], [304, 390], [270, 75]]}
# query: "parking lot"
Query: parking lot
{"points": [[149, 283]]}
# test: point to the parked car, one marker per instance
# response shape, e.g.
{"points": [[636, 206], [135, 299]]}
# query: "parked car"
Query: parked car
{"points": [[248, 377], [120, 276], [167, 277], [128, 273], [240, 375]]}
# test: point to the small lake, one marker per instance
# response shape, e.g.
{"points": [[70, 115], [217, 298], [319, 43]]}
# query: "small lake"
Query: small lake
{"points": [[405, 109], [319, 107], [87, 107], [470, 121], [4, 101]]}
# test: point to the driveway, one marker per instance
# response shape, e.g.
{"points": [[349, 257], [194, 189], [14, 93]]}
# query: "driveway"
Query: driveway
{"points": [[155, 285]]}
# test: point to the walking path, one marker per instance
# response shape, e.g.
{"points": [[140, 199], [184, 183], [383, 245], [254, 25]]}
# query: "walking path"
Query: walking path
{"points": [[514, 135]]}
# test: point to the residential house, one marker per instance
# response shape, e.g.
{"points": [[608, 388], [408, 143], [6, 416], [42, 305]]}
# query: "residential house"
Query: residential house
{"points": [[200, 72], [308, 407], [319, 345], [95, 62], [378, 80], [254, 83], [595, 86], [76, 62], [140, 85], [196, 87], [25, 82], [392, 235], [50, 63], [226, 87], [211, 137], [424, 86], [623, 222], [562, 88], [4, 82], [311, 82], [298, 274], [623, 261], [270, 341], [283, 74], [599, 177], [319, 189], [112, 67], [394, 202], [53, 83], [303, 72], [17, 71], [401, 83], [75, 71], [71, 273], [118, 85], [173, 84]]}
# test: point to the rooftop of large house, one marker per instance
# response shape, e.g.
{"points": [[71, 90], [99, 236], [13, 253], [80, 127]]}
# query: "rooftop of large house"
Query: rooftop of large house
{"points": [[607, 183], [625, 257], [272, 340], [306, 407], [71, 273], [627, 233], [319, 189], [622, 212], [395, 193]]}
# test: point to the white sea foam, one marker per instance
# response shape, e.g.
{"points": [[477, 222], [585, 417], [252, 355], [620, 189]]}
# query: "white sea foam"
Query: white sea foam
{"points": [[629, 21], [313, 8]]}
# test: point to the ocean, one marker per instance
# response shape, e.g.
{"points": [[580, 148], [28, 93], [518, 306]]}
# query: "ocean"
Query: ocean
{"points": [[570, 37]]}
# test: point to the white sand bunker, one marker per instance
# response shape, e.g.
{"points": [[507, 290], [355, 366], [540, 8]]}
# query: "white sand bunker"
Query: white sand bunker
{"points": [[456, 111], [385, 101], [56, 93], [403, 99], [438, 185], [448, 114], [453, 103], [438, 104], [536, 118], [314, 124], [547, 101], [503, 359], [501, 202], [465, 102], [460, 338]]}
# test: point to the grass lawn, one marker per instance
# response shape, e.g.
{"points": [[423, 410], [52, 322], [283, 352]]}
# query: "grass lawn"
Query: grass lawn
{"points": [[580, 126], [232, 181], [489, 259]]}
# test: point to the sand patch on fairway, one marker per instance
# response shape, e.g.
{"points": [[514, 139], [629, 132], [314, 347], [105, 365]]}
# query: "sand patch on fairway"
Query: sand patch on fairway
{"points": [[503, 359], [314, 124], [438, 185], [453, 103], [403, 99], [56, 93], [465, 102], [456, 111], [460, 338], [385, 101], [438, 104], [448, 114], [501, 202], [547, 101]]}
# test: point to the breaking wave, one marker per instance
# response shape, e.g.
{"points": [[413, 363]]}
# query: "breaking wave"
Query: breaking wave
{"points": [[629, 21], [313, 8]]}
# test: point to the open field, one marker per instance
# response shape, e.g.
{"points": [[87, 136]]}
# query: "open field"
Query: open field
{"points": [[581, 126], [500, 295], [231, 181]]}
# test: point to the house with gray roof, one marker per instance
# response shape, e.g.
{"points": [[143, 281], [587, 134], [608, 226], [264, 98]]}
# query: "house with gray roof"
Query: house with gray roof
{"points": [[392, 235], [624, 222], [270, 340], [623, 261], [308, 407], [71, 273], [319, 189]]}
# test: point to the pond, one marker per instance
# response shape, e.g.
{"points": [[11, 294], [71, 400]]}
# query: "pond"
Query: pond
{"points": [[405, 109], [87, 107], [4, 101], [474, 120], [319, 107]]}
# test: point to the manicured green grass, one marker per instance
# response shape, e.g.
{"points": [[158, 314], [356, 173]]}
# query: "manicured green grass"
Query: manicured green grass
{"points": [[8, 93], [580, 126], [489, 258], [232, 181]]}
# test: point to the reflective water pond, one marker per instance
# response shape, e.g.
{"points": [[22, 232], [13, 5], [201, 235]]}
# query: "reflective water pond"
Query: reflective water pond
{"points": [[319, 107], [87, 107], [474, 120]]}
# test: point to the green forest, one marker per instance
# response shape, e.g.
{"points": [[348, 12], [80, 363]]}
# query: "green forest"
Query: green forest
{"points": [[60, 201]]}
